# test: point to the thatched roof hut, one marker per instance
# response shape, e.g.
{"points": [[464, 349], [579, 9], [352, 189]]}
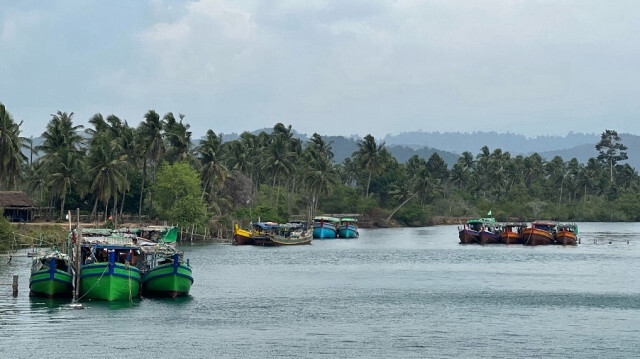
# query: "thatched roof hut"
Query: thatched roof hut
{"points": [[17, 206]]}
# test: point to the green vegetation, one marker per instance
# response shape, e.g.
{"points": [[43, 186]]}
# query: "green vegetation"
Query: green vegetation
{"points": [[156, 171]]}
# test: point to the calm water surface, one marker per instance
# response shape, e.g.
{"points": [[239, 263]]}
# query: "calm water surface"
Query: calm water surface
{"points": [[392, 293]]}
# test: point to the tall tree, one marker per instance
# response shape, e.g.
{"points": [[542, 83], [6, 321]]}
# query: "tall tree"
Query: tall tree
{"points": [[11, 145], [611, 150], [368, 156], [63, 157], [152, 141]]}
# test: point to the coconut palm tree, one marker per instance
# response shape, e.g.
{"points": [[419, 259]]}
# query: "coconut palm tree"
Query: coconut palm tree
{"points": [[63, 159], [11, 156], [151, 141], [211, 156], [368, 156]]}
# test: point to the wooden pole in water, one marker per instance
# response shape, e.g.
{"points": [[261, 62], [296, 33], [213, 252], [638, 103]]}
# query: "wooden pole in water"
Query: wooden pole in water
{"points": [[76, 292], [15, 285]]}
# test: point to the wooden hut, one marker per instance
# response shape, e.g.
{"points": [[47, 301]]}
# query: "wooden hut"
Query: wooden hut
{"points": [[17, 206]]}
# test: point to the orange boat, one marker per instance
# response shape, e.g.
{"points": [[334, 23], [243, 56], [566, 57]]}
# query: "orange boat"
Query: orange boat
{"points": [[567, 234], [540, 233], [512, 233]]}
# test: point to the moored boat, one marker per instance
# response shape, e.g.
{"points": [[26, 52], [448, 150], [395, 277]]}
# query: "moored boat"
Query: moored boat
{"points": [[511, 232], [539, 233], [290, 234], [261, 233], [108, 271], [489, 234], [348, 228], [470, 231], [325, 227], [241, 236], [167, 274], [566, 234], [51, 276]]}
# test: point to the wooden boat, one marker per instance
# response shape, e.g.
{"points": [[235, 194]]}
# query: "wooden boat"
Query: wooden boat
{"points": [[108, 269], [566, 234], [241, 236], [511, 233], [348, 228], [470, 232], [539, 233], [261, 233], [325, 227], [490, 234], [51, 276], [166, 274], [290, 234]]}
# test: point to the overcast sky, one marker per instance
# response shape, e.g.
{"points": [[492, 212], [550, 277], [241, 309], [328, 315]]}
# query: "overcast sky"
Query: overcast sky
{"points": [[333, 67]]}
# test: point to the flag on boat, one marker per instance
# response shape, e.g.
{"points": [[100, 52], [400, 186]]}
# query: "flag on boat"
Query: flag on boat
{"points": [[489, 214]]}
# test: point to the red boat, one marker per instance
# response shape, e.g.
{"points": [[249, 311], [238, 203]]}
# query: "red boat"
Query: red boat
{"points": [[567, 234], [470, 232], [540, 233], [489, 235]]}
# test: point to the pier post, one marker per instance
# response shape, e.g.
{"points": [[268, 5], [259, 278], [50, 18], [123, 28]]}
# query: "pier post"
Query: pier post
{"points": [[15, 285]]}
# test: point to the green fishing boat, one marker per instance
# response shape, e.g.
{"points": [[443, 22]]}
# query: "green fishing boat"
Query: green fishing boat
{"points": [[108, 272], [168, 275], [51, 276]]}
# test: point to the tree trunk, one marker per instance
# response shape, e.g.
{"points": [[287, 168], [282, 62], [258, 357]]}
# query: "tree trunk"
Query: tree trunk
{"points": [[400, 206], [144, 176], [368, 183], [95, 209]]}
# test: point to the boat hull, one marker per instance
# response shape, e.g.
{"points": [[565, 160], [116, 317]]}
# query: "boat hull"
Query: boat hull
{"points": [[241, 236], [536, 237], [510, 238], [168, 280], [324, 232], [469, 236], [348, 231], [566, 238], [282, 241], [109, 281], [51, 283], [487, 237]]}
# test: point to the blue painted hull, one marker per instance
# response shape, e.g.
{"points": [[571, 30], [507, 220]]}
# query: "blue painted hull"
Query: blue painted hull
{"points": [[326, 231], [349, 231]]}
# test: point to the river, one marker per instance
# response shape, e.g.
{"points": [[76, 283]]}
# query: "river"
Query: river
{"points": [[392, 293]]}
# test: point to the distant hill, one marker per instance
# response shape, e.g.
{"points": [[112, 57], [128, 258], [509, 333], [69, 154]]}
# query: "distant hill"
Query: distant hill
{"points": [[459, 142], [585, 151]]}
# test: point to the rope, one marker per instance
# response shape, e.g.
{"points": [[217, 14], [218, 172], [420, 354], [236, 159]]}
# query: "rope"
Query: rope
{"points": [[96, 283]]}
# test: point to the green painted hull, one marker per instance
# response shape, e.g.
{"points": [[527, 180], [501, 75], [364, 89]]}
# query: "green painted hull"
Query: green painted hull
{"points": [[51, 284], [110, 282], [167, 280]]}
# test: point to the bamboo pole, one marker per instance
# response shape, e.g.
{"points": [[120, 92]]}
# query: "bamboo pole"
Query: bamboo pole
{"points": [[15, 285]]}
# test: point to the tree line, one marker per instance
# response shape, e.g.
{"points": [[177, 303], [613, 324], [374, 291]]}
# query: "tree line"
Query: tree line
{"points": [[155, 170]]}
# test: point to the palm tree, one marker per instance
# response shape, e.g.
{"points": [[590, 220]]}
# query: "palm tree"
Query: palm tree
{"points": [[211, 156], [152, 143], [368, 157], [63, 157], [320, 176], [178, 138], [11, 144], [106, 169]]}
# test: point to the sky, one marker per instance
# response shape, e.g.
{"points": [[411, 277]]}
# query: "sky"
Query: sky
{"points": [[335, 67]]}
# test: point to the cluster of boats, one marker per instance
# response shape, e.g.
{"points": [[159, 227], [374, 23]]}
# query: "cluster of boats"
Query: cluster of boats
{"points": [[488, 231], [295, 232], [114, 265]]}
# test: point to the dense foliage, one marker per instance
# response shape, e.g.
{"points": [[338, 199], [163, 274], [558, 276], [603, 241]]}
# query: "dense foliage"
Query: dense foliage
{"points": [[156, 170]]}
